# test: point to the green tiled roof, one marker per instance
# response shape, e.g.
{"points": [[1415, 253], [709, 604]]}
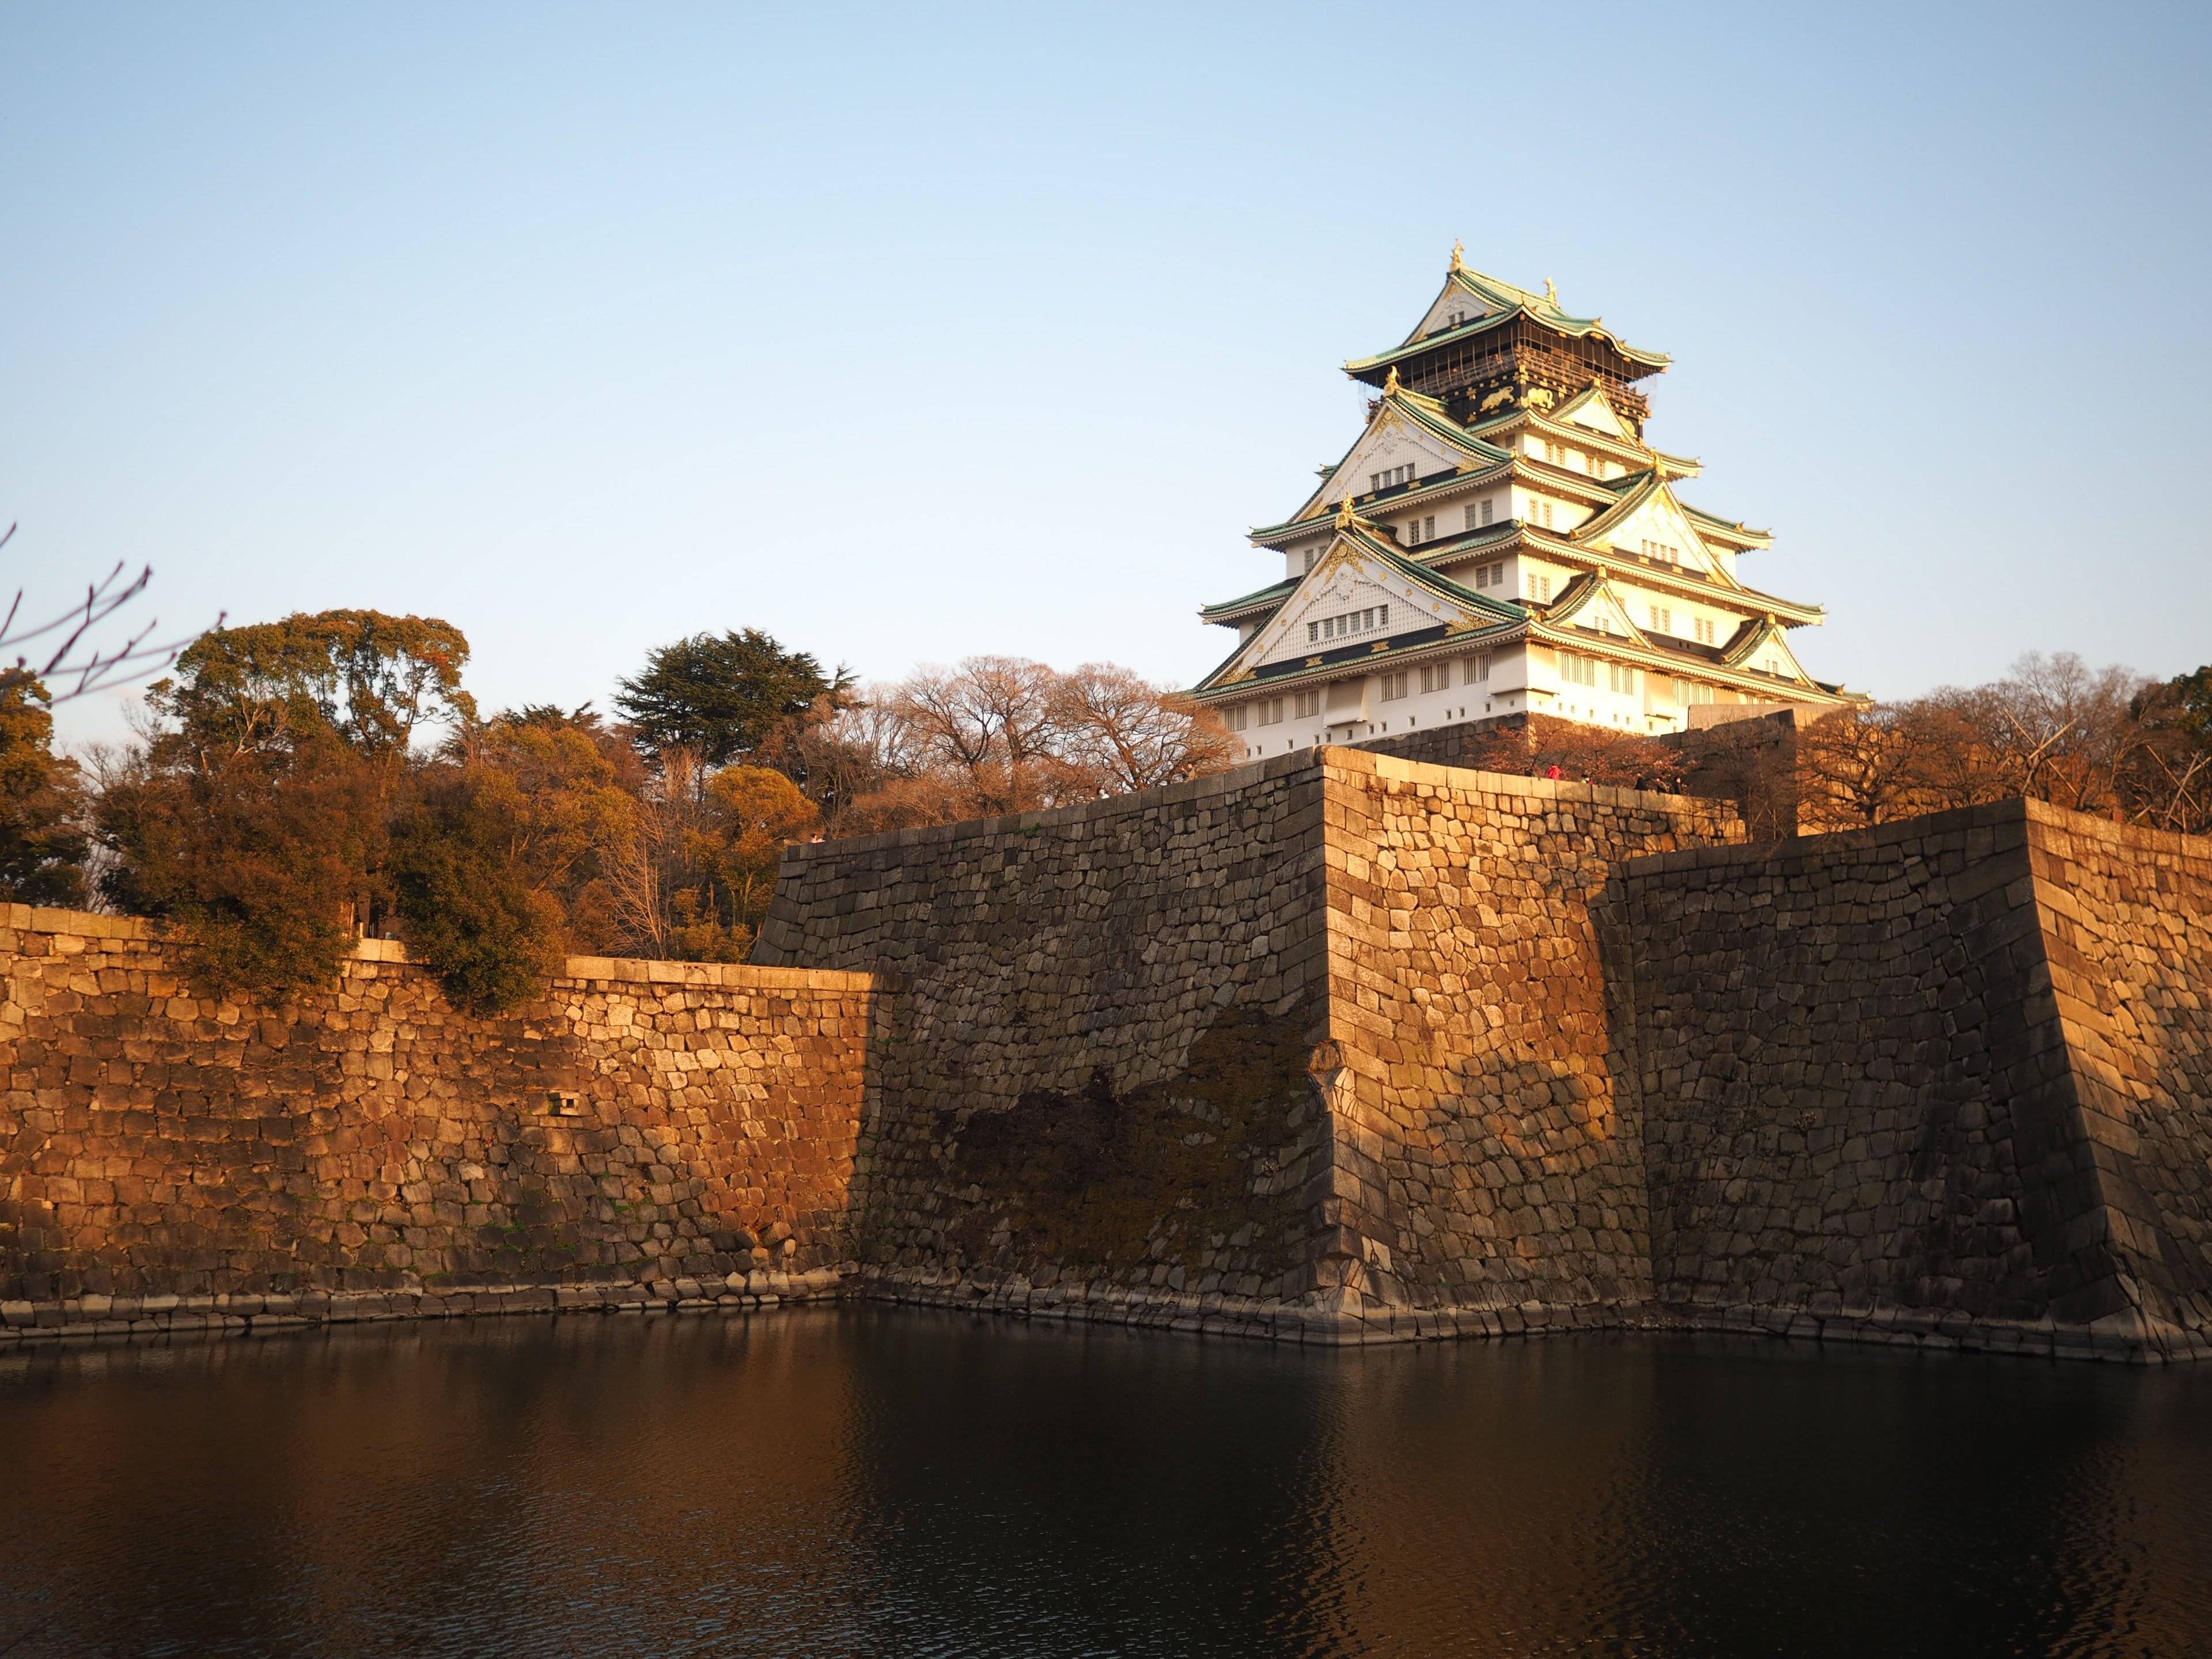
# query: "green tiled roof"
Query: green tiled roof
{"points": [[1734, 526], [1277, 590], [1505, 302]]}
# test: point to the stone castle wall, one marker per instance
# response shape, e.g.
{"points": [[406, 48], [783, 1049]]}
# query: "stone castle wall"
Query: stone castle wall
{"points": [[645, 1124], [2126, 917], [1094, 1087], [1319, 1044], [1947, 1077], [1488, 1164], [1338, 1046]]}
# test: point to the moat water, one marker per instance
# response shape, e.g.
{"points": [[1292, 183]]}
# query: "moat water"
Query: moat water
{"points": [[875, 1481]]}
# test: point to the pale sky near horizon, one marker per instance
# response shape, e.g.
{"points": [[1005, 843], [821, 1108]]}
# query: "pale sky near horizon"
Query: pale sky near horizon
{"points": [[907, 333]]}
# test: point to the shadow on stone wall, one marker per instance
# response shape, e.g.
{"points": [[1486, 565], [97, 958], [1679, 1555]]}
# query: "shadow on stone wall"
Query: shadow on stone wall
{"points": [[1192, 1183]]}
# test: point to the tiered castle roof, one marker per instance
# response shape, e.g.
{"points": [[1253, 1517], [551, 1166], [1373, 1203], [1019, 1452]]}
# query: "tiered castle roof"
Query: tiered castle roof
{"points": [[1507, 436]]}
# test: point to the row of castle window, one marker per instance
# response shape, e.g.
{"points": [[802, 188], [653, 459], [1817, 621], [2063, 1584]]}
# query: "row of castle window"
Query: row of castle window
{"points": [[1578, 670], [1661, 551], [1490, 576], [1391, 478], [1479, 514], [1539, 512], [1306, 705], [1420, 530], [1351, 622], [1560, 455], [1437, 676]]}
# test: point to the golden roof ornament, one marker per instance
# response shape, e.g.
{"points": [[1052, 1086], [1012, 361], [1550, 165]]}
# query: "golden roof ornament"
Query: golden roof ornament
{"points": [[1345, 517], [1551, 293], [1459, 256], [1390, 382]]}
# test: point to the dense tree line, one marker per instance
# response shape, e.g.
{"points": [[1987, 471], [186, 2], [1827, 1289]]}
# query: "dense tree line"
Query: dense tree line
{"points": [[2107, 741], [304, 782]]}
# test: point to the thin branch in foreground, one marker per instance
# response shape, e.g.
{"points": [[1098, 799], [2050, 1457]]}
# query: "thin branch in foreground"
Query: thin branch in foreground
{"points": [[134, 659]]}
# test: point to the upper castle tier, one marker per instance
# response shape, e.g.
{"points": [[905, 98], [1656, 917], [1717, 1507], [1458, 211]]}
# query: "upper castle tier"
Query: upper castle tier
{"points": [[1501, 540]]}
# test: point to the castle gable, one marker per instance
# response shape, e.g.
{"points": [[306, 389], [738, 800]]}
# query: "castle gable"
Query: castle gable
{"points": [[1457, 305], [1592, 603], [1761, 647], [1354, 592], [1650, 521], [1591, 410], [1395, 449]]}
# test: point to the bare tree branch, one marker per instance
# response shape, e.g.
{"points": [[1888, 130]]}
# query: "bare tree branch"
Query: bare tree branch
{"points": [[134, 659]]}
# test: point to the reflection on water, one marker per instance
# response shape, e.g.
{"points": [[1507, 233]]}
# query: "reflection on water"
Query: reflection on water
{"points": [[873, 1482]]}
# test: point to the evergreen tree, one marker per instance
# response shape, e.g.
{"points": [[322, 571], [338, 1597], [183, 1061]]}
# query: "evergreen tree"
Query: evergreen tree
{"points": [[41, 848], [719, 695]]}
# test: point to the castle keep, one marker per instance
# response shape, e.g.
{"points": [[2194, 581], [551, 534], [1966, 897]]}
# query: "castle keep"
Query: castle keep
{"points": [[1502, 540], [1335, 1048]]}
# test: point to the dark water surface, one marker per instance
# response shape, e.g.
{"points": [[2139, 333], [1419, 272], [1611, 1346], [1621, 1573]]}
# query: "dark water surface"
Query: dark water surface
{"points": [[885, 1481]]}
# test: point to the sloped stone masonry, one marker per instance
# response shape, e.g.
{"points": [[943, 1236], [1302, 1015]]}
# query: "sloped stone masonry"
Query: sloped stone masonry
{"points": [[1945, 1081], [1487, 1164], [1093, 1093], [650, 1131]]}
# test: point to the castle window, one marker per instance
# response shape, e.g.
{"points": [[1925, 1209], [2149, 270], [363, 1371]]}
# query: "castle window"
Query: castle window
{"points": [[1539, 589], [1434, 677], [1576, 669], [1306, 704], [1707, 631], [1476, 669], [1312, 553], [1351, 622], [1394, 687], [1235, 716], [1271, 712], [1662, 619], [1621, 677], [1485, 511]]}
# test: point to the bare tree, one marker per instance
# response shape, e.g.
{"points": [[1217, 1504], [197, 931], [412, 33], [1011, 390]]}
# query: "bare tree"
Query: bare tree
{"points": [[1003, 734], [2067, 729], [68, 660], [1858, 767], [1126, 733], [994, 723]]}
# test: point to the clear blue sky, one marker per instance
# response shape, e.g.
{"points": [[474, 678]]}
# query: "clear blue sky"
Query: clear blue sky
{"points": [[912, 332]]}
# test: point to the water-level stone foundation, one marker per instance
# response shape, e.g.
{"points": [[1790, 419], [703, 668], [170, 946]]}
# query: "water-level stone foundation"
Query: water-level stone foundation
{"points": [[1337, 1047]]}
